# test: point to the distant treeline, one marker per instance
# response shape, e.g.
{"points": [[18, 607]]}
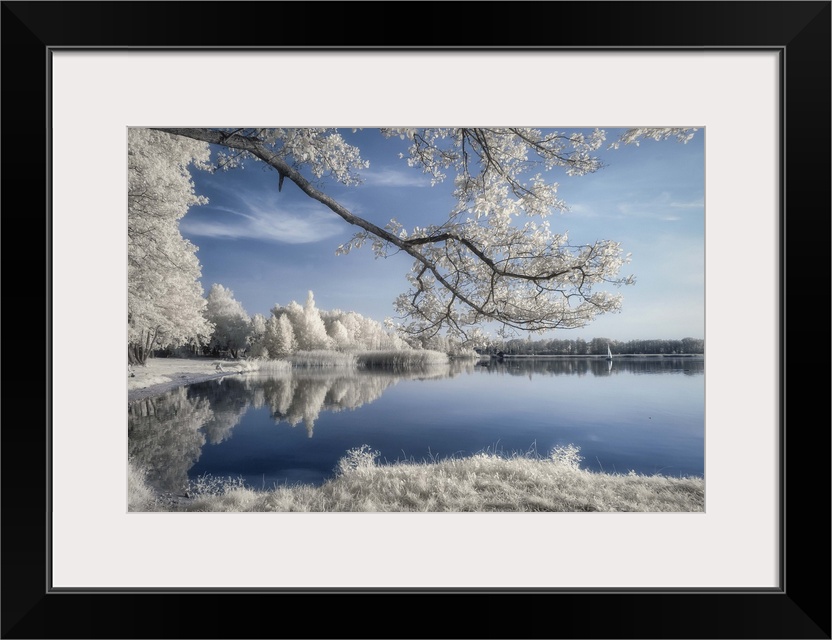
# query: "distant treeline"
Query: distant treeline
{"points": [[595, 347]]}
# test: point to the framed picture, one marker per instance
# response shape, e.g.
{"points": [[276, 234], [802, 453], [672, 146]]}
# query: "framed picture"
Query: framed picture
{"points": [[754, 76]]}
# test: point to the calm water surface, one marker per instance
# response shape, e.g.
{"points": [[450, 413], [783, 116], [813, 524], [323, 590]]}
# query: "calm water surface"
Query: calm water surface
{"points": [[641, 414]]}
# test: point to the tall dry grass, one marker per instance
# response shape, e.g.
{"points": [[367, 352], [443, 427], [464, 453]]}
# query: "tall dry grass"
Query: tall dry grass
{"points": [[486, 482], [402, 359], [321, 358], [392, 359], [272, 366], [140, 497]]}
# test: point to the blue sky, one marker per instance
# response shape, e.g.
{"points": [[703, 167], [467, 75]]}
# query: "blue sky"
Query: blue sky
{"points": [[272, 247]]}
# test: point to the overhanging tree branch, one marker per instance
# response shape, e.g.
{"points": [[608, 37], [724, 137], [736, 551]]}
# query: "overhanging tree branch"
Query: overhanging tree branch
{"points": [[479, 265]]}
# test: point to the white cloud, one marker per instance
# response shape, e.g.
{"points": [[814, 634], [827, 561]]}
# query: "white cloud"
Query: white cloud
{"points": [[259, 221], [657, 208], [696, 204], [394, 178], [583, 210]]}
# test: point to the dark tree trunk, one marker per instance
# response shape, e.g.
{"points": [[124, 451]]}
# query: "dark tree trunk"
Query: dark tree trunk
{"points": [[136, 354]]}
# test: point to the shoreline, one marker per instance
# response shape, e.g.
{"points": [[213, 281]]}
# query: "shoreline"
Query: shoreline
{"points": [[547, 491], [592, 356], [160, 375], [183, 380]]}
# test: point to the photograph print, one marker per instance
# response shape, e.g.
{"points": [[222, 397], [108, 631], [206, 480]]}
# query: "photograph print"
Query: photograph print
{"points": [[505, 319]]}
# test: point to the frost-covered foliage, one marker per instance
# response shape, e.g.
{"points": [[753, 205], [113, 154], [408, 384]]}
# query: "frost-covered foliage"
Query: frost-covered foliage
{"points": [[280, 336], [164, 302], [354, 460], [633, 136], [484, 482], [323, 151], [306, 328], [310, 332], [256, 336], [493, 258], [232, 325], [446, 344], [140, 496], [353, 332], [568, 455]]}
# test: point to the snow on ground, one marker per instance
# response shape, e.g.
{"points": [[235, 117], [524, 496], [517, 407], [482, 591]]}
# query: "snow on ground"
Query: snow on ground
{"points": [[162, 374]]}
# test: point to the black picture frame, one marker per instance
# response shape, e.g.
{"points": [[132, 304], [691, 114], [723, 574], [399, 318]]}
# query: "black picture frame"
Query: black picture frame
{"points": [[799, 608]]}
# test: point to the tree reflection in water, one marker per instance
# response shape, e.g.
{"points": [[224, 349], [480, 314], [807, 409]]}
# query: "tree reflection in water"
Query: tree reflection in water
{"points": [[564, 366], [165, 437], [166, 434], [300, 396]]}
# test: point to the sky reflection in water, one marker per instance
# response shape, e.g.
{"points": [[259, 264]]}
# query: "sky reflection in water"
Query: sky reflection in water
{"points": [[645, 415]]}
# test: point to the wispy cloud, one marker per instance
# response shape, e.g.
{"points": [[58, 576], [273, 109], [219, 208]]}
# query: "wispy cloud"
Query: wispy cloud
{"points": [[394, 178], [264, 221], [662, 208], [696, 204], [582, 210]]}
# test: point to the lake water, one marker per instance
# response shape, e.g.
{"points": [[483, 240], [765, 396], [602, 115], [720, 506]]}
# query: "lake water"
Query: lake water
{"points": [[640, 414]]}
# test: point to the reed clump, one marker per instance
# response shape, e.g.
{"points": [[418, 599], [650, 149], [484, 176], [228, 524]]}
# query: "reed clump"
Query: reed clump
{"points": [[394, 359], [263, 365], [321, 358], [401, 359]]}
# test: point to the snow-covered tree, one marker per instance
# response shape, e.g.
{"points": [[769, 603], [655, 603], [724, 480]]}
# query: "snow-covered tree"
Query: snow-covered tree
{"points": [[313, 331], [493, 257], [349, 330], [307, 324], [279, 340], [351, 321], [256, 339], [339, 335], [164, 296], [232, 324]]}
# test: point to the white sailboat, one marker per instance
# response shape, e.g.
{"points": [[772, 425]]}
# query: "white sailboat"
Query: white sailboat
{"points": [[609, 353]]}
